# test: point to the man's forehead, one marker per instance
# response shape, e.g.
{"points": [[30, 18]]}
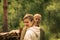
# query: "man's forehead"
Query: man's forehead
{"points": [[37, 17]]}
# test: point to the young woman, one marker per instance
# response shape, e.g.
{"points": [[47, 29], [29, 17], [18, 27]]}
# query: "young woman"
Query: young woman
{"points": [[32, 32]]}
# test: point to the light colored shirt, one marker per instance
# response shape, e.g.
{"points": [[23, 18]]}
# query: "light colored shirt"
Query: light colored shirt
{"points": [[32, 33]]}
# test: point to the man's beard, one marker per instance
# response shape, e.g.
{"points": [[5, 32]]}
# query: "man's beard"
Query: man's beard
{"points": [[37, 24]]}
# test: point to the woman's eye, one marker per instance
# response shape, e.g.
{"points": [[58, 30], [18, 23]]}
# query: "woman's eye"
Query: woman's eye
{"points": [[25, 22]]}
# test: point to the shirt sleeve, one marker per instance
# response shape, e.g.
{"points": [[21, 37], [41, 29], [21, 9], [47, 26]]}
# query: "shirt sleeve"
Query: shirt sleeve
{"points": [[28, 36]]}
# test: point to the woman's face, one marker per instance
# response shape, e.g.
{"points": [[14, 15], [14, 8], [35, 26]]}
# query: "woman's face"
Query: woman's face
{"points": [[28, 23]]}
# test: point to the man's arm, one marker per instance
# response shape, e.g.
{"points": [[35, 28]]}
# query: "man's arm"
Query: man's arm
{"points": [[42, 35]]}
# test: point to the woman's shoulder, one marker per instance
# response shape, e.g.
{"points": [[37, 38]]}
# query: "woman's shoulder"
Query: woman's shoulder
{"points": [[34, 27]]}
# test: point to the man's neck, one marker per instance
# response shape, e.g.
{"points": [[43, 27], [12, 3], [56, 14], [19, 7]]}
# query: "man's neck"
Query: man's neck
{"points": [[36, 25]]}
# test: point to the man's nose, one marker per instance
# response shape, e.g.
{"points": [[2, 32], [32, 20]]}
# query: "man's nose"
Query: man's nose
{"points": [[37, 20]]}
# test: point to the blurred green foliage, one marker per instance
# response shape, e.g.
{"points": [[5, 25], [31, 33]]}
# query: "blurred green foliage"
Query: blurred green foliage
{"points": [[49, 9]]}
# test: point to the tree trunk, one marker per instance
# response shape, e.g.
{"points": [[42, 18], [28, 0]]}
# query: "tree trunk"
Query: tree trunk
{"points": [[5, 12]]}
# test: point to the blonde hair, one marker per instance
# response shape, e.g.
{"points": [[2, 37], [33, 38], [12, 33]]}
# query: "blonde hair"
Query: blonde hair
{"points": [[29, 16], [39, 15], [23, 33]]}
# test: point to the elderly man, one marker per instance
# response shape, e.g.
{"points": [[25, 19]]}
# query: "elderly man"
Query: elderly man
{"points": [[37, 19]]}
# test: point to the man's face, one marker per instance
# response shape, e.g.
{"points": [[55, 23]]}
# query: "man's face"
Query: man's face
{"points": [[37, 20]]}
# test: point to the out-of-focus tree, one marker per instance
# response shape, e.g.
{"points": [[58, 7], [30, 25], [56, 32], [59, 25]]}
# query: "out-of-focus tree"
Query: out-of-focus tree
{"points": [[53, 16]]}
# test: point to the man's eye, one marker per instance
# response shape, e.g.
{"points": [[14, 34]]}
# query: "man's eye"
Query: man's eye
{"points": [[37, 19]]}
